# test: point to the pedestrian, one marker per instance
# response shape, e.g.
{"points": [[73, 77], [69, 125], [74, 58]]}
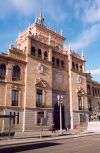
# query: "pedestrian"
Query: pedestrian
{"points": [[53, 128]]}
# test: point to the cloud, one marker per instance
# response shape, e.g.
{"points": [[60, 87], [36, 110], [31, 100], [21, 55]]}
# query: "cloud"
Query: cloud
{"points": [[95, 72], [92, 12], [32, 7], [86, 37]]}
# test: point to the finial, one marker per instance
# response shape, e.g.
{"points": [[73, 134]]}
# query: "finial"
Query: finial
{"points": [[69, 49], [61, 32], [40, 19], [82, 54]]}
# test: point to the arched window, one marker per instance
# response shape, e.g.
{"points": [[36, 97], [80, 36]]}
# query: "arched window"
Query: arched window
{"points": [[89, 105], [53, 60], [73, 65], [45, 55], [77, 66], [33, 51], [98, 106], [62, 64], [96, 92], [39, 53], [57, 62], [2, 71], [16, 73], [80, 68], [93, 91], [88, 89]]}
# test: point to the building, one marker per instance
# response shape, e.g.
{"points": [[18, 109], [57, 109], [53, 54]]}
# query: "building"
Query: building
{"points": [[33, 74]]}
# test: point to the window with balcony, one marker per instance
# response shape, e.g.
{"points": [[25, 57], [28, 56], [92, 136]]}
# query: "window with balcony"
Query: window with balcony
{"points": [[2, 71], [15, 97], [40, 116], [80, 103], [39, 97], [16, 73]]}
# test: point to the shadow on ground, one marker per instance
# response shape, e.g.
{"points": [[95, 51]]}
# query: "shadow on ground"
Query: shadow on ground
{"points": [[20, 148]]}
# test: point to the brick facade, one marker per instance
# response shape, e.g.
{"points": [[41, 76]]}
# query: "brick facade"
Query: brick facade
{"points": [[34, 73]]}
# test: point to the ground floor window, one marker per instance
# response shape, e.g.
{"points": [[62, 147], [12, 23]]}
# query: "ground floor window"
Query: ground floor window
{"points": [[40, 117], [82, 118]]}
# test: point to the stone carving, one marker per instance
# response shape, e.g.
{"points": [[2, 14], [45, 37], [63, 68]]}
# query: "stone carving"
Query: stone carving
{"points": [[95, 115]]}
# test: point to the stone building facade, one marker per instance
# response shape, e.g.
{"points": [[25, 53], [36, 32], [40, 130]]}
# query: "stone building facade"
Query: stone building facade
{"points": [[33, 74]]}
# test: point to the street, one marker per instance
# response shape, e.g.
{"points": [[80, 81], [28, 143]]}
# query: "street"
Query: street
{"points": [[87, 144]]}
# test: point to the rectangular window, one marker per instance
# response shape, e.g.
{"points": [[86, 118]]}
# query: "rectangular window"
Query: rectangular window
{"points": [[82, 118], [18, 118], [15, 95], [14, 118], [40, 116], [39, 97]]}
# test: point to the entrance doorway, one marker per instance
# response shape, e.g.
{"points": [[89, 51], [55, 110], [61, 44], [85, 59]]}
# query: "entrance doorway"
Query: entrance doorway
{"points": [[56, 116]]}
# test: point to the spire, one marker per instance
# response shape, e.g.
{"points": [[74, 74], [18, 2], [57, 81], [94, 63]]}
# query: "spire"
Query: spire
{"points": [[40, 19], [61, 32], [82, 54]]}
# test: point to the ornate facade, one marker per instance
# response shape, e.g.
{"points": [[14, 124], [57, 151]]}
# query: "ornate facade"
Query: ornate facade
{"points": [[34, 73]]}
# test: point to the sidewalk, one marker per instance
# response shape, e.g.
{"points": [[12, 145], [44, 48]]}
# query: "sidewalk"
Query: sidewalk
{"points": [[28, 137]]}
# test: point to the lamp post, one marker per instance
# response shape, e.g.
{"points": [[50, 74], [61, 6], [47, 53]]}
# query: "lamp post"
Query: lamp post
{"points": [[60, 102]]}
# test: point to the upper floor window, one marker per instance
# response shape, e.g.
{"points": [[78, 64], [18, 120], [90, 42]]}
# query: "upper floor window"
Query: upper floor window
{"points": [[62, 64], [89, 105], [77, 66], [45, 55], [33, 51], [16, 73], [93, 92], [80, 103], [96, 92], [73, 65], [39, 97], [2, 71], [39, 53], [88, 89], [57, 62], [53, 60], [15, 97], [80, 68]]}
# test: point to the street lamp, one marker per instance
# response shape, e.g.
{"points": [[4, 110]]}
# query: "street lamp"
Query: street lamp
{"points": [[60, 102]]}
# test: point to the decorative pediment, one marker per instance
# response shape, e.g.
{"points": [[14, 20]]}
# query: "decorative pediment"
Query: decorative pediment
{"points": [[81, 91], [41, 83]]}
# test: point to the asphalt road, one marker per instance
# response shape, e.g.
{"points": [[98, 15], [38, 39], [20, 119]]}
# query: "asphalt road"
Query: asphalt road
{"points": [[87, 144]]}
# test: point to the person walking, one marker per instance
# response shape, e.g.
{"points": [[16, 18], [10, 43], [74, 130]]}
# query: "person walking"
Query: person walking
{"points": [[53, 128]]}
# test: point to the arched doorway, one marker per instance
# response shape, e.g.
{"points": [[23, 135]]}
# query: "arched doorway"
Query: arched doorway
{"points": [[56, 116]]}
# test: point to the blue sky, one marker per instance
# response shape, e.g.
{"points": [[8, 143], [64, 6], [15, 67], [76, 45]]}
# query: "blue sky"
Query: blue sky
{"points": [[79, 20]]}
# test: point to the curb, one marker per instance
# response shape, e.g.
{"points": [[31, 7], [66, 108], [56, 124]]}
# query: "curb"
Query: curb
{"points": [[28, 142]]}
